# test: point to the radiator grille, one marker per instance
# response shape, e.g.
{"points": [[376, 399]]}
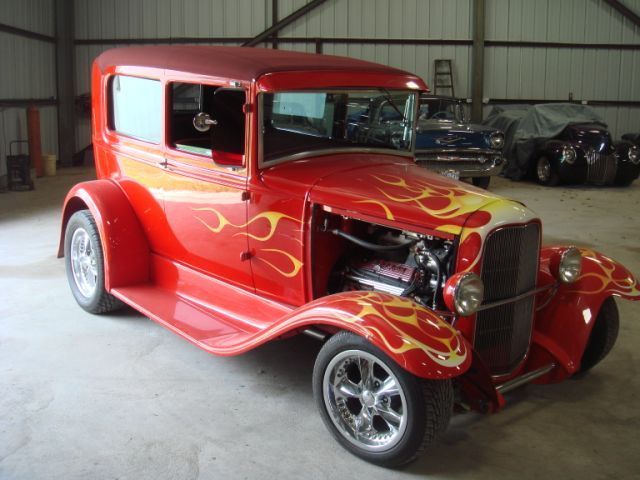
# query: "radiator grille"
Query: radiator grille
{"points": [[601, 169], [509, 268]]}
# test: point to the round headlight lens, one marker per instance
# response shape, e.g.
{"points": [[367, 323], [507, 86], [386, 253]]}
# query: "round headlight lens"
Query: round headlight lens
{"points": [[568, 154], [468, 294], [496, 140], [634, 155], [570, 265]]}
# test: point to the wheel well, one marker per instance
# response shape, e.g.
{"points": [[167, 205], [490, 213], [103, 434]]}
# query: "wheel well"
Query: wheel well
{"points": [[73, 205]]}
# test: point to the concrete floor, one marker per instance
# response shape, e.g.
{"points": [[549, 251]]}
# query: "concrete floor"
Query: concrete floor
{"points": [[118, 396]]}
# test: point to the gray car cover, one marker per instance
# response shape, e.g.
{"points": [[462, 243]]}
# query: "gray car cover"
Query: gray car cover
{"points": [[527, 126]]}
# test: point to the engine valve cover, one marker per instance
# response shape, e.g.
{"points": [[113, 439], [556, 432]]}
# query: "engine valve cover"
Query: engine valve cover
{"points": [[383, 275]]}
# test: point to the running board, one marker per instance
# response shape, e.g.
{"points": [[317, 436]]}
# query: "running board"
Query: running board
{"points": [[524, 379]]}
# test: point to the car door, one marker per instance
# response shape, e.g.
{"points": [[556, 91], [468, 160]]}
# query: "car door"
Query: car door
{"points": [[131, 150], [205, 203]]}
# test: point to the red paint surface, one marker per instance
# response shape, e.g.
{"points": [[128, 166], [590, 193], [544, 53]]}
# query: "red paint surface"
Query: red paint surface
{"points": [[222, 256]]}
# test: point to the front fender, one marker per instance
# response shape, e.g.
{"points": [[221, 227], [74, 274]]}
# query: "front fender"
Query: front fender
{"points": [[124, 245], [564, 325], [415, 337]]}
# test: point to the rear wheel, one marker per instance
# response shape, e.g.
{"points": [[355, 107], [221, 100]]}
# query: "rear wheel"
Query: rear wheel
{"points": [[84, 263], [545, 175], [482, 182], [603, 336], [625, 183], [373, 407]]}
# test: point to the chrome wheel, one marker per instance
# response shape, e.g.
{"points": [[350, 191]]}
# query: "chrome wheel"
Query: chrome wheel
{"points": [[543, 169], [365, 400], [83, 262]]}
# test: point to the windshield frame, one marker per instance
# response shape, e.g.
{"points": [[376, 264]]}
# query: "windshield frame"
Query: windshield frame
{"points": [[461, 117], [408, 153]]}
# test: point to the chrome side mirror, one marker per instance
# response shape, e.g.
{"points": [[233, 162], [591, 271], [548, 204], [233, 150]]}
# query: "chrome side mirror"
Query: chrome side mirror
{"points": [[203, 121]]}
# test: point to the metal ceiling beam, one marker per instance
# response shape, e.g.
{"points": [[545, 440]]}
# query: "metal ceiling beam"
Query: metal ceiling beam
{"points": [[477, 60], [26, 33], [289, 19], [25, 102], [65, 80], [274, 20], [359, 41], [625, 11]]}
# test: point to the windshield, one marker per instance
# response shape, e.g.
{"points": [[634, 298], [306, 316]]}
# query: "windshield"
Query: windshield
{"points": [[295, 123], [440, 109]]}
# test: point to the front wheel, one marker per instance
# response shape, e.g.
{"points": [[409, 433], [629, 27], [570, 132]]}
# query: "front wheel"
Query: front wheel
{"points": [[481, 182], [603, 336], [545, 174], [373, 407]]}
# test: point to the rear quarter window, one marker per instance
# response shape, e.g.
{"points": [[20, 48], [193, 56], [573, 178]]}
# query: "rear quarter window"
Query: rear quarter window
{"points": [[135, 107]]}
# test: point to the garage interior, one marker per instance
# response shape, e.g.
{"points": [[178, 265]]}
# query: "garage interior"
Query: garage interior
{"points": [[118, 396]]}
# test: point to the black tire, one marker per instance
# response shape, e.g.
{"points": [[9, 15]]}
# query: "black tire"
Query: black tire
{"points": [[625, 183], [549, 179], [481, 182], [429, 403], [603, 336], [99, 301]]}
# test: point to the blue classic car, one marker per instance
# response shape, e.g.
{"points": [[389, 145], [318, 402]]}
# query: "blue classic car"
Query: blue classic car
{"points": [[445, 142]]}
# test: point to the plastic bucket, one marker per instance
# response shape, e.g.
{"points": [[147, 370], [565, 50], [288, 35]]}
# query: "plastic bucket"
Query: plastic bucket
{"points": [[49, 162]]}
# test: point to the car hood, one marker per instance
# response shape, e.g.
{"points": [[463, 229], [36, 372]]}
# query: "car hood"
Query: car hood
{"points": [[590, 135], [438, 134], [389, 188]]}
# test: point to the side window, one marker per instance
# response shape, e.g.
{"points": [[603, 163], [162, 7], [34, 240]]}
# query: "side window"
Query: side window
{"points": [[135, 107], [224, 108]]}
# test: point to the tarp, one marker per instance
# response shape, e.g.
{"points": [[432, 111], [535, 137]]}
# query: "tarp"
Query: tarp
{"points": [[527, 126]]}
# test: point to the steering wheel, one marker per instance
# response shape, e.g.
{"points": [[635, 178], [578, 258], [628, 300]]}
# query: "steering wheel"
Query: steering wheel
{"points": [[442, 115]]}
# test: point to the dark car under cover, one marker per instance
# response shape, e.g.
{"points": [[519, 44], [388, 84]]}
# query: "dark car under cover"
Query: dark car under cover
{"points": [[562, 142]]}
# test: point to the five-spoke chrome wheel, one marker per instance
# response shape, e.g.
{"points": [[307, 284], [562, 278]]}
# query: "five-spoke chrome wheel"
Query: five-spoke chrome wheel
{"points": [[365, 399], [374, 407], [83, 262]]}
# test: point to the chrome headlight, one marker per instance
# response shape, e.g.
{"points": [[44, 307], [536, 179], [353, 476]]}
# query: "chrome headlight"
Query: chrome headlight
{"points": [[496, 140], [464, 293], [570, 265], [634, 155], [568, 154]]}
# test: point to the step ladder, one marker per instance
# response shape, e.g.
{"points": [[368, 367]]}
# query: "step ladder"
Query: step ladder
{"points": [[442, 77]]}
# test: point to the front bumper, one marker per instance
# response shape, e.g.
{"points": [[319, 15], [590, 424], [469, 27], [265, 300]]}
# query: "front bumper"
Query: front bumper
{"points": [[468, 162]]}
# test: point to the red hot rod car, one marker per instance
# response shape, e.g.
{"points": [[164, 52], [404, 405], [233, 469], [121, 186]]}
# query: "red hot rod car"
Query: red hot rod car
{"points": [[234, 207]]}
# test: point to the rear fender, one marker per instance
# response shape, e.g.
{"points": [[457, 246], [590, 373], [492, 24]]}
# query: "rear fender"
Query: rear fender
{"points": [[415, 337], [564, 325], [125, 247]]}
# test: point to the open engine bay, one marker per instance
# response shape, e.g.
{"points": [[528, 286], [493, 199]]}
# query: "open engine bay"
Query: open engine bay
{"points": [[376, 257]]}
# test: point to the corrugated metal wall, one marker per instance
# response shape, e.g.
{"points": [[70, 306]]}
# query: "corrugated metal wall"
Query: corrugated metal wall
{"points": [[511, 72], [555, 73], [28, 71], [397, 19]]}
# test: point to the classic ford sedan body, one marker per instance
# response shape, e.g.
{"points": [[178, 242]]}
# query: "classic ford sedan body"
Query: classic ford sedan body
{"points": [[447, 143], [233, 207]]}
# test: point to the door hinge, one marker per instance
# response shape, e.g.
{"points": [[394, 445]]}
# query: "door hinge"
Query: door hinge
{"points": [[246, 108], [244, 196]]}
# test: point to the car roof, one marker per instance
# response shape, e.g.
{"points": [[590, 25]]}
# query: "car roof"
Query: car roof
{"points": [[234, 63]]}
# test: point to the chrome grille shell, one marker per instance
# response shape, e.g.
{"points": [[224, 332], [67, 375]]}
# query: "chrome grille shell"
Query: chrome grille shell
{"points": [[509, 268], [601, 168]]}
